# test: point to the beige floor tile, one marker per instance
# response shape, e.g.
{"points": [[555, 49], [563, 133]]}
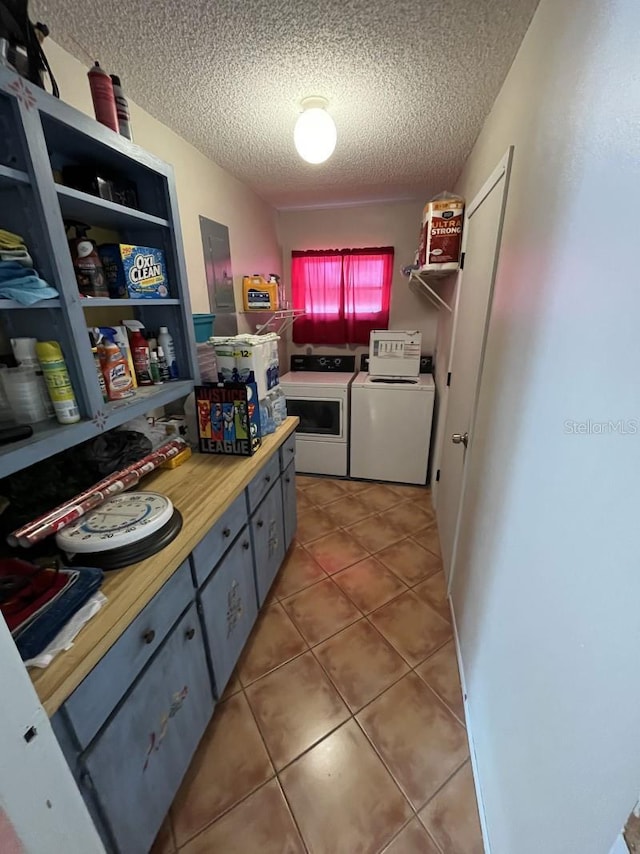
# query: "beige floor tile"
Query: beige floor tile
{"points": [[361, 663], [412, 839], [273, 641], [262, 823], [325, 491], [429, 539], [302, 501], [408, 517], [411, 627], [298, 571], [164, 842], [295, 706], [313, 524], [231, 761], [379, 497], [369, 584], [348, 510], [355, 486], [440, 672], [375, 533], [409, 561], [342, 797], [434, 592], [320, 611], [303, 481], [452, 816], [419, 740], [336, 551], [233, 686], [422, 494]]}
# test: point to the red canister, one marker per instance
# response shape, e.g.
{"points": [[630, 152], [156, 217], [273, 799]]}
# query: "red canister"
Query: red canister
{"points": [[104, 101]]}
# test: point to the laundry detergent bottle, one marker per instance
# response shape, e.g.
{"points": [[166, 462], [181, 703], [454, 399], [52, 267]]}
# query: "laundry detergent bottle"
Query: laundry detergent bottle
{"points": [[90, 275]]}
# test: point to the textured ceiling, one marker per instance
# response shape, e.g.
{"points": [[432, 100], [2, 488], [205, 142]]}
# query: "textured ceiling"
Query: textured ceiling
{"points": [[409, 83]]}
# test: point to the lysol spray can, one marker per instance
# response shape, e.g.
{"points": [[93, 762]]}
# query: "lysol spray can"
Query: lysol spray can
{"points": [[122, 108], [104, 101]]}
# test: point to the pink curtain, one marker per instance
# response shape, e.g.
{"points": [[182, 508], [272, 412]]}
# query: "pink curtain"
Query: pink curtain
{"points": [[345, 293]]}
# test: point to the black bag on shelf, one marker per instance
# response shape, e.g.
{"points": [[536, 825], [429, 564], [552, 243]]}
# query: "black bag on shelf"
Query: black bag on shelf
{"points": [[20, 46]]}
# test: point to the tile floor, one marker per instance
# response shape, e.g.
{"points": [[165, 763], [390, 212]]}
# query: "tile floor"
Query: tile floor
{"points": [[342, 730]]}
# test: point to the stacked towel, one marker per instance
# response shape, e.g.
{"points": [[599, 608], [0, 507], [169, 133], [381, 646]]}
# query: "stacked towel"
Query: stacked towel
{"points": [[18, 279]]}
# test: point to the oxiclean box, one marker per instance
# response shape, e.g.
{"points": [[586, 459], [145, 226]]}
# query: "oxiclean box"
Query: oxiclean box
{"points": [[138, 272]]}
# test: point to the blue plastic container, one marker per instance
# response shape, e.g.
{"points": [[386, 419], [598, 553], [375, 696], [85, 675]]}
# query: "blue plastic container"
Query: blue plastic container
{"points": [[203, 325]]}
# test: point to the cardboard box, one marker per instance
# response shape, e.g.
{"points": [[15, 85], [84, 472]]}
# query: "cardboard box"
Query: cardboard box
{"points": [[137, 272], [228, 418]]}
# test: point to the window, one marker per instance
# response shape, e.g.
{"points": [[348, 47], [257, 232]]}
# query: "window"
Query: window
{"points": [[345, 294]]}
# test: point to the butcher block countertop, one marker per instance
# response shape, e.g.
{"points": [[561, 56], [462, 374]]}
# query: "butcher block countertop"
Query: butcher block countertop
{"points": [[202, 489]]}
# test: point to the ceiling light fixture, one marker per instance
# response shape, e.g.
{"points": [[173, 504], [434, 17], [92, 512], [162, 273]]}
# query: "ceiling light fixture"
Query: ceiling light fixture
{"points": [[315, 132]]}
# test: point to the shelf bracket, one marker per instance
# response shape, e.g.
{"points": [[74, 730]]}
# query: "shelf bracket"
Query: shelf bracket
{"points": [[421, 286]]}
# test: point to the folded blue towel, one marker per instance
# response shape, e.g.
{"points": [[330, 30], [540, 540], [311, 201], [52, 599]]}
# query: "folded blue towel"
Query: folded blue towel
{"points": [[10, 270], [27, 290]]}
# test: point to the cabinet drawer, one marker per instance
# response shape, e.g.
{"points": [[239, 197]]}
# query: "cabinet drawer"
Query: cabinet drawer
{"points": [[229, 609], [289, 507], [267, 530], [262, 482], [136, 765], [214, 544], [288, 452], [95, 698]]}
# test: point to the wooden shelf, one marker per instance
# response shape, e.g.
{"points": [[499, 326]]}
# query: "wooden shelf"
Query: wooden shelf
{"points": [[43, 303], [93, 210], [10, 177], [89, 302], [50, 438]]}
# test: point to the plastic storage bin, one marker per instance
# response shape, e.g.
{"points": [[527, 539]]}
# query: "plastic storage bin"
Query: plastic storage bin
{"points": [[203, 325]]}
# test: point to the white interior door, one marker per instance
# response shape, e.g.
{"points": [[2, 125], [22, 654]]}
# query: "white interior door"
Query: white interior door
{"points": [[482, 232]]}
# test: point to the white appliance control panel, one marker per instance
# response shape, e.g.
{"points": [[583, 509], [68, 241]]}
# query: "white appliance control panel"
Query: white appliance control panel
{"points": [[394, 353]]}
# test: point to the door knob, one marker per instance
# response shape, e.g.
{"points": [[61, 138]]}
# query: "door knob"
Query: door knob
{"points": [[460, 439]]}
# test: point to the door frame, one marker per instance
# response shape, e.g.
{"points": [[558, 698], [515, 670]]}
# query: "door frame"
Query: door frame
{"points": [[502, 170]]}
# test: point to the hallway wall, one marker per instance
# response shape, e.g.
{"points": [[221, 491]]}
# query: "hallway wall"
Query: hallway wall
{"points": [[546, 596]]}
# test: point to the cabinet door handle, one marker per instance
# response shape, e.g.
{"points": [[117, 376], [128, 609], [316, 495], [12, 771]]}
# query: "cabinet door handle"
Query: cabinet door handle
{"points": [[260, 523], [148, 636], [267, 478], [190, 633], [287, 480], [226, 533], [245, 545]]}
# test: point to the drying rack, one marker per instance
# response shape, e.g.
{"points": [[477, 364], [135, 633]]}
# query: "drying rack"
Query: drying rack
{"points": [[422, 282], [284, 319]]}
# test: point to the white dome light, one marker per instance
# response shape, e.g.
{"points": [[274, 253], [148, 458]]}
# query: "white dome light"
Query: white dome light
{"points": [[315, 132]]}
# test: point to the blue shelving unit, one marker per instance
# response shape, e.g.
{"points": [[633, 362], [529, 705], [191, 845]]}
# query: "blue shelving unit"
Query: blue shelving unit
{"points": [[39, 135]]}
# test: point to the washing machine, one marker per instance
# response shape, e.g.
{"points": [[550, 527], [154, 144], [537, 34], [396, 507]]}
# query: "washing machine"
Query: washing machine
{"points": [[391, 420]]}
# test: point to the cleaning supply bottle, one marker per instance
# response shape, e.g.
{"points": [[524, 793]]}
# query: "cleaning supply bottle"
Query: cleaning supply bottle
{"points": [[259, 294], [104, 101], [115, 366], [90, 275], [165, 340], [96, 358], [122, 108], [24, 352], [163, 367], [58, 382], [155, 368], [139, 351]]}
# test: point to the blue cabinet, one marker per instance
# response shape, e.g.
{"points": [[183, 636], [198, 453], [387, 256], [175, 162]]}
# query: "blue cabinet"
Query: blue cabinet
{"points": [[213, 545], [134, 767], [229, 609], [289, 503], [39, 136], [95, 698], [267, 532]]}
